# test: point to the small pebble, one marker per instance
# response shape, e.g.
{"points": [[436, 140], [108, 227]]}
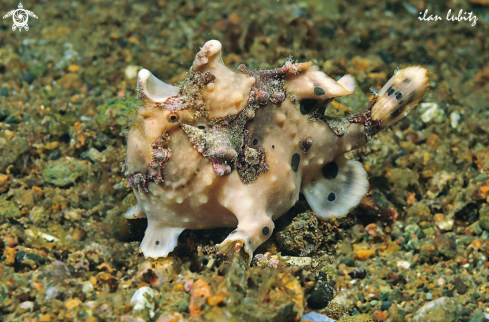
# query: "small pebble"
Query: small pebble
{"points": [[484, 217], [460, 286], [27, 305], [475, 228], [412, 229], [385, 306], [428, 249], [431, 112], [78, 234], [4, 182], [29, 78], [4, 113], [102, 141], [316, 317], [403, 265], [87, 287], [445, 224], [12, 119], [94, 155], [131, 71], [297, 261], [454, 119], [322, 293], [71, 303], [144, 300], [348, 261], [359, 273]]}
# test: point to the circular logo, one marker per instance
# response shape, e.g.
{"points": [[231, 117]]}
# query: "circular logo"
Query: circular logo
{"points": [[20, 18]]}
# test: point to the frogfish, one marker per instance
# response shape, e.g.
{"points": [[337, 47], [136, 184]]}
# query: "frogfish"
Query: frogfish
{"points": [[235, 148]]}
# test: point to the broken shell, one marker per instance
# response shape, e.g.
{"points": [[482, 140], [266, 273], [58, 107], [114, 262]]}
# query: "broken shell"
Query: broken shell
{"points": [[144, 300]]}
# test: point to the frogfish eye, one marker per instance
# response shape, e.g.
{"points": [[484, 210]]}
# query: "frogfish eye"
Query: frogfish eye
{"points": [[173, 118]]}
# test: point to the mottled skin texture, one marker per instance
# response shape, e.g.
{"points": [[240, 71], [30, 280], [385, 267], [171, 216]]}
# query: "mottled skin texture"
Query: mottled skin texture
{"points": [[235, 148]]}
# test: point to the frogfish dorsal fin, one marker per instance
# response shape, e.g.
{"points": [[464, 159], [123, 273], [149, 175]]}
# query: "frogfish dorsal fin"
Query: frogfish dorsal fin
{"points": [[227, 92], [311, 83], [150, 88]]}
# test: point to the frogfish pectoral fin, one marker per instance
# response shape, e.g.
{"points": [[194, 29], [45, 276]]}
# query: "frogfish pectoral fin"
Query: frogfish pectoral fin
{"points": [[339, 187]]}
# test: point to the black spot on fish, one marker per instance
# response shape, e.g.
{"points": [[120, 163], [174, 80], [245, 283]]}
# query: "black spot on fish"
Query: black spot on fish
{"points": [[398, 95], [307, 105], [319, 91], [396, 113], [255, 141], [406, 80], [294, 162], [331, 196], [273, 146], [265, 231], [157, 242], [390, 91], [330, 170]]}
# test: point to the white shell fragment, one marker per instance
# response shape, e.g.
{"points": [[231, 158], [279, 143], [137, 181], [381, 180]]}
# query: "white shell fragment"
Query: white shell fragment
{"points": [[431, 112], [445, 224], [403, 265], [316, 317], [39, 234], [297, 261], [131, 71], [454, 119], [27, 306], [144, 300]]}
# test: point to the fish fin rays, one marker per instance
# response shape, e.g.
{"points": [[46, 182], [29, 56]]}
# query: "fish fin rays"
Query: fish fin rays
{"points": [[159, 240], [338, 188], [151, 88]]}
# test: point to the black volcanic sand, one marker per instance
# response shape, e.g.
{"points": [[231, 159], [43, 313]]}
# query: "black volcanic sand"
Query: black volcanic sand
{"points": [[416, 248]]}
